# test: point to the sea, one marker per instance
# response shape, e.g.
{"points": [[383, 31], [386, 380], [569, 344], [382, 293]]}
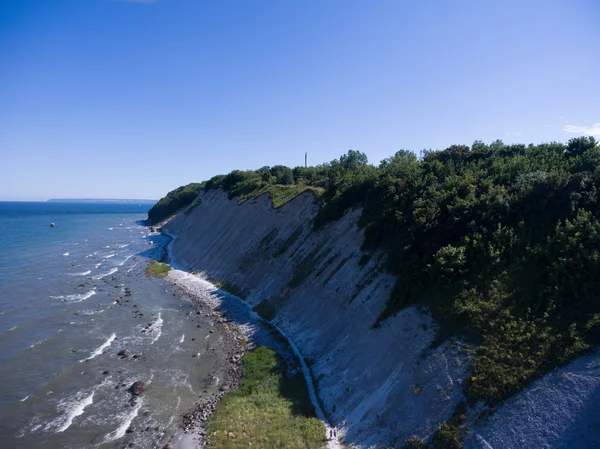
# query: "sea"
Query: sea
{"points": [[72, 297]]}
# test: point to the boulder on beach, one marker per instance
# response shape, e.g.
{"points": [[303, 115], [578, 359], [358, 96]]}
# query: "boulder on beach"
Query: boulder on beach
{"points": [[123, 353], [138, 387]]}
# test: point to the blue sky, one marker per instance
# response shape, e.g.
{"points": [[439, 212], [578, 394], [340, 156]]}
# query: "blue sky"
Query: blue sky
{"points": [[130, 99]]}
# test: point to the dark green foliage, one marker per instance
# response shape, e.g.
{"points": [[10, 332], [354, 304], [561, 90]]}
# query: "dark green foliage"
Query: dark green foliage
{"points": [[501, 241], [175, 200], [448, 435], [415, 443]]}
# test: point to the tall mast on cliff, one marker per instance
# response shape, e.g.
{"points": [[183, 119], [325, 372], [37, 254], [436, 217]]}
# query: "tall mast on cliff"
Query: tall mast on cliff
{"points": [[305, 159]]}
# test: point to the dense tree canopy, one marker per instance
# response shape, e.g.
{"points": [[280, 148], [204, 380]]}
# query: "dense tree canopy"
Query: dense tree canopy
{"points": [[175, 200], [501, 241]]}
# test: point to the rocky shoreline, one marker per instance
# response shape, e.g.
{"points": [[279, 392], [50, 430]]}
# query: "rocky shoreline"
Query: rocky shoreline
{"points": [[236, 339]]}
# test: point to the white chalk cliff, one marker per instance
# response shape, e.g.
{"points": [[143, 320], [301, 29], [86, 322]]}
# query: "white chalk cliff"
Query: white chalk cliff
{"points": [[379, 385]]}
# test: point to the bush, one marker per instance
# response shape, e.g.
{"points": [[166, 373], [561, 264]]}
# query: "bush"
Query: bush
{"points": [[175, 200]]}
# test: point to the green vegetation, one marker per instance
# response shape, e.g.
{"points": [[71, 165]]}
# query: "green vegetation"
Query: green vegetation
{"points": [[501, 241], [271, 409], [158, 269], [415, 443], [280, 195], [448, 435], [175, 200]]}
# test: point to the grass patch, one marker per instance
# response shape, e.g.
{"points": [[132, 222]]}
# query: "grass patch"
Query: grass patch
{"points": [[270, 410], [157, 269], [281, 194]]}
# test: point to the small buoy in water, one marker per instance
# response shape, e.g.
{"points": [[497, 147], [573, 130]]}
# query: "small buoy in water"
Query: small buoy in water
{"points": [[51, 225]]}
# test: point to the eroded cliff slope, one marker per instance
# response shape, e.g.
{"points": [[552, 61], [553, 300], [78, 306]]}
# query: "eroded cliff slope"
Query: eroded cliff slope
{"points": [[381, 386]]}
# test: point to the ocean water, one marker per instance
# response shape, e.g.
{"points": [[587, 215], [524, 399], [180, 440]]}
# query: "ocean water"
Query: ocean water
{"points": [[62, 384]]}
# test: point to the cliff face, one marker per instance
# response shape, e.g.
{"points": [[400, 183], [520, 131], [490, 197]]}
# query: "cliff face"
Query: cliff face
{"points": [[380, 386]]}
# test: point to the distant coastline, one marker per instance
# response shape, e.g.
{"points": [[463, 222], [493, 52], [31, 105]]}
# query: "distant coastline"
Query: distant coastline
{"points": [[99, 200]]}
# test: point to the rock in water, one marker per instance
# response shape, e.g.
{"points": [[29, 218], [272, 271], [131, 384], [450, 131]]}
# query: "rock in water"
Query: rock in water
{"points": [[138, 387], [51, 225]]}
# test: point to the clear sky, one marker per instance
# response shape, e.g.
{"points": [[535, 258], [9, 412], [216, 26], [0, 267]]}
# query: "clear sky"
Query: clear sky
{"points": [[130, 99]]}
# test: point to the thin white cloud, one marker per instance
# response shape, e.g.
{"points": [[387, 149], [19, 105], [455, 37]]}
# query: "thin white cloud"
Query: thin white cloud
{"points": [[593, 130]]}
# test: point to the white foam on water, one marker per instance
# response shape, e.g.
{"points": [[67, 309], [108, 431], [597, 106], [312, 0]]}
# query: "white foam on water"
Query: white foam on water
{"points": [[120, 431], [110, 255], [100, 348], [92, 312], [132, 267], [155, 331], [125, 260], [123, 245], [182, 338], [73, 407], [110, 229], [108, 273], [174, 415], [65, 254], [24, 399], [37, 343], [76, 411], [12, 328], [83, 273], [75, 298]]}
